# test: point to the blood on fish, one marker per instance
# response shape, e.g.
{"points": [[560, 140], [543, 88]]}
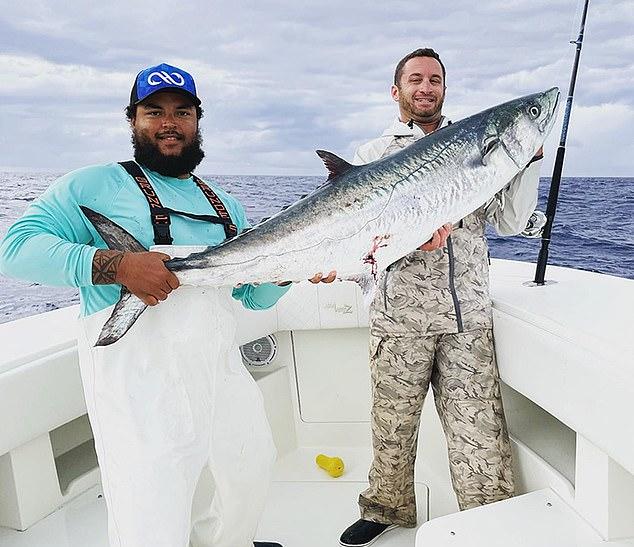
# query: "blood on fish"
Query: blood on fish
{"points": [[377, 242]]}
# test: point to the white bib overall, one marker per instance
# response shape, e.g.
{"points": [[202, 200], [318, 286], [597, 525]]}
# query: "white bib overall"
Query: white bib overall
{"points": [[184, 446]]}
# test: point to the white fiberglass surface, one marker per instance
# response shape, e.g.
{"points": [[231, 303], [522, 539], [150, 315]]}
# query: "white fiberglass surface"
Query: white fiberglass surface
{"points": [[589, 308], [314, 514], [81, 523], [538, 519], [298, 513]]}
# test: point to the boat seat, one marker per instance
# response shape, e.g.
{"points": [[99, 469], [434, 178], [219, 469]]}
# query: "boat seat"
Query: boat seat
{"points": [[40, 389]]}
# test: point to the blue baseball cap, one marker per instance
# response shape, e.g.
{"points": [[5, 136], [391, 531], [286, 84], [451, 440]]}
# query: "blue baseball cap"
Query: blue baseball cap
{"points": [[161, 77]]}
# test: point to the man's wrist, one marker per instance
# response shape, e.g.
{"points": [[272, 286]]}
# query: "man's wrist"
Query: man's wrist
{"points": [[105, 266]]}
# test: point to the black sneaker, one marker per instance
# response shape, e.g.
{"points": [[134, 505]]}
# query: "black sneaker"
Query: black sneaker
{"points": [[364, 532], [265, 544]]}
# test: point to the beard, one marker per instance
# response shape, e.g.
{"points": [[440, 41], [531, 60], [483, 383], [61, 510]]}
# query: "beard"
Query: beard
{"points": [[148, 154], [421, 115]]}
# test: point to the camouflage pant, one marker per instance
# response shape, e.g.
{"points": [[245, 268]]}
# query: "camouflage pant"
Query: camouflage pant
{"points": [[465, 380]]}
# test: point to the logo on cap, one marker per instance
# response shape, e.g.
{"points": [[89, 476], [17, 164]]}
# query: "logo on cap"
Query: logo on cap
{"points": [[167, 78], [163, 76]]}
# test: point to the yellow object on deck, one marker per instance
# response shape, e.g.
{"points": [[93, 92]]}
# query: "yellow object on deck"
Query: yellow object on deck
{"points": [[333, 466]]}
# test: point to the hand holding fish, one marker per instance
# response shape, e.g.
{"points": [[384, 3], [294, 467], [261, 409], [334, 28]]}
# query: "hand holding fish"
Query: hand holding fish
{"points": [[439, 238], [145, 275]]}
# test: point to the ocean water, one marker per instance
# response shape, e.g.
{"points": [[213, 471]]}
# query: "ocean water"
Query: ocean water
{"points": [[594, 227]]}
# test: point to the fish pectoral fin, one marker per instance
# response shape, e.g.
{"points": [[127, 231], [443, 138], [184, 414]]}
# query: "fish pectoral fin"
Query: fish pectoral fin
{"points": [[336, 166], [116, 237], [368, 285], [124, 315], [488, 145]]}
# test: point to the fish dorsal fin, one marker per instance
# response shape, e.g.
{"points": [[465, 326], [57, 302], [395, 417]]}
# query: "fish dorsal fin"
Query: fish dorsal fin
{"points": [[336, 166]]}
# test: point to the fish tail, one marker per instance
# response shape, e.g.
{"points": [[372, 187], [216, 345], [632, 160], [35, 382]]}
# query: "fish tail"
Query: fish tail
{"points": [[129, 307], [126, 311]]}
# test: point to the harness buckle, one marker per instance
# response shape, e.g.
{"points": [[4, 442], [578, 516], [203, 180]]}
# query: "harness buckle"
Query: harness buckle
{"points": [[162, 234]]}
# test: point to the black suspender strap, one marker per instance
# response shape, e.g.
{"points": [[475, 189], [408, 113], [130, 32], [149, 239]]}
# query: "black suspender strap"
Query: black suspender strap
{"points": [[160, 216], [230, 228]]}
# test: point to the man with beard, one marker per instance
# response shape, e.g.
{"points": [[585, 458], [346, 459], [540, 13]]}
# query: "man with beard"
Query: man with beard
{"points": [[184, 447], [431, 322]]}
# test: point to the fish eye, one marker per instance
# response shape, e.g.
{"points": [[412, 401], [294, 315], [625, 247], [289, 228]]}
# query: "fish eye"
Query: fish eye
{"points": [[534, 111]]}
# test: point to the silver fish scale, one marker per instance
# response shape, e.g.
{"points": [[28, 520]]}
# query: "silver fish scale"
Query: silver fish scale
{"points": [[372, 215]]}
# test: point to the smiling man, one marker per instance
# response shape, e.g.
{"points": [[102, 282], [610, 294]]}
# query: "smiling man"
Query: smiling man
{"points": [[184, 447], [431, 324], [419, 89]]}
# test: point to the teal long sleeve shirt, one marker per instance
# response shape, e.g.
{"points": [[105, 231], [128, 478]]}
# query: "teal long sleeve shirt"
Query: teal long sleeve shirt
{"points": [[54, 243]]}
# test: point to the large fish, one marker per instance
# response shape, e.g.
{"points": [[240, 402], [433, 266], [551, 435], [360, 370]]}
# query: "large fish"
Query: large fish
{"points": [[365, 217]]}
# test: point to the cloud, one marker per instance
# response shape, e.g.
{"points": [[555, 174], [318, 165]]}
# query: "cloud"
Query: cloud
{"points": [[280, 79], [27, 79], [601, 140]]}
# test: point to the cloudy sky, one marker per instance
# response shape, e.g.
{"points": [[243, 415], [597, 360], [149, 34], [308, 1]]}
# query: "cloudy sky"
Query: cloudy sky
{"points": [[280, 79]]}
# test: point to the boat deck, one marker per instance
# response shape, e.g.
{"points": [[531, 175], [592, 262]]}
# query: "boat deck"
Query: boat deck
{"points": [[310, 514], [554, 357], [305, 508]]}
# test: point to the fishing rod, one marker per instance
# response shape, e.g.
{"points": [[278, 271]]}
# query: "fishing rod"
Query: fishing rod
{"points": [[559, 161]]}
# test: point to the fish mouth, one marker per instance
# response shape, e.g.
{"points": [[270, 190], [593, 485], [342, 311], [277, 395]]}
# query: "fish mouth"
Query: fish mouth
{"points": [[556, 90], [550, 92], [552, 95]]}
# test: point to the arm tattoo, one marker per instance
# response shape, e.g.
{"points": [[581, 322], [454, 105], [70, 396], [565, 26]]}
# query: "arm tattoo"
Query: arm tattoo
{"points": [[105, 265]]}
